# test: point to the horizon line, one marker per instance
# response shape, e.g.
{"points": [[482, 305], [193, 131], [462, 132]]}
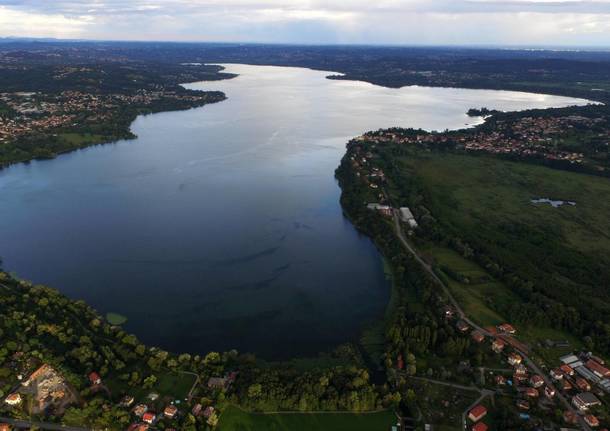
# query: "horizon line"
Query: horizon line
{"points": [[537, 47]]}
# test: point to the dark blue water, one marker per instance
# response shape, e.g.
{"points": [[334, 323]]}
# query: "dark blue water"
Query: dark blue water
{"points": [[220, 227]]}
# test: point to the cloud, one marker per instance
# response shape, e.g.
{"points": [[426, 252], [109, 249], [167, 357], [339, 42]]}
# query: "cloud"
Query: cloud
{"points": [[316, 21]]}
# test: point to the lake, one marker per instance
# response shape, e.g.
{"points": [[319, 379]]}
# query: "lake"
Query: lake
{"points": [[220, 227]]}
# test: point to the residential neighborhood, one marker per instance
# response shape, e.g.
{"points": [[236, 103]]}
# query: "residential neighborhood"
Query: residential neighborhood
{"points": [[46, 392]]}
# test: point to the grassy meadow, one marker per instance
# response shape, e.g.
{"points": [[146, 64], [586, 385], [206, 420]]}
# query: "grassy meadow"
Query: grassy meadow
{"points": [[234, 419]]}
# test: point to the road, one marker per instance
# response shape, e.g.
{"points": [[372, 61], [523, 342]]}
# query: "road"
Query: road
{"points": [[451, 385], [529, 362], [484, 394], [23, 424]]}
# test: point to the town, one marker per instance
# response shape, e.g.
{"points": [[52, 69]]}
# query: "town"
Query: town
{"points": [[45, 392], [529, 137]]}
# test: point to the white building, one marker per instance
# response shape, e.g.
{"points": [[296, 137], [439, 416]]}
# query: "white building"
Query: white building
{"points": [[406, 216]]}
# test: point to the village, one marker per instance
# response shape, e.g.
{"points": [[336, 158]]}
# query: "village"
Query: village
{"points": [[527, 137], [45, 392], [29, 113]]}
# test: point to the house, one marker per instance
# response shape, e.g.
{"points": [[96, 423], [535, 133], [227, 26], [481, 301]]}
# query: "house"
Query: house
{"points": [[605, 385], [149, 417], [500, 380], [448, 312], [597, 359], [592, 421], [582, 384], [556, 374], [95, 379], [587, 374], [567, 370], [209, 411], [140, 409], [5, 427], [514, 359], [569, 359], [197, 409], [406, 216], [462, 326], [536, 381], [127, 401], [400, 363], [567, 386], [385, 210], [138, 427], [549, 392], [477, 413], [507, 328], [521, 370], [532, 392], [478, 336], [498, 345], [597, 368], [584, 401], [170, 411], [479, 427], [13, 399]]}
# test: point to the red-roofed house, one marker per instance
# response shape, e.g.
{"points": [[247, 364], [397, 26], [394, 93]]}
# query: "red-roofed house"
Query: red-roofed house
{"points": [[477, 413], [567, 370], [598, 369], [536, 381], [582, 384], [498, 345], [556, 374], [5, 427], [95, 378], [478, 336], [479, 427], [13, 399], [170, 411], [532, 392], [400, 363], [592, 421], [149, 417]]}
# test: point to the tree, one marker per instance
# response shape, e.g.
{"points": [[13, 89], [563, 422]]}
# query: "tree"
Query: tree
{"points": [[149, 381], [255, 391]]}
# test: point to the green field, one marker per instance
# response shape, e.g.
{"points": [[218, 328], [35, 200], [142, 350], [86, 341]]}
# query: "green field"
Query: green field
{"points": [[486, 202], [483, 191], [170, 384], [234, 419], [477, 296]]}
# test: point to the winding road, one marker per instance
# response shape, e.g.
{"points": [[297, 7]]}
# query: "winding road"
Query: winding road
{"points": [[529, 362]]}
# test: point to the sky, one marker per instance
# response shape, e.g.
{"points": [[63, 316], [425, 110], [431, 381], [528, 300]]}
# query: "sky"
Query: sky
{"points": [[399, 22]]}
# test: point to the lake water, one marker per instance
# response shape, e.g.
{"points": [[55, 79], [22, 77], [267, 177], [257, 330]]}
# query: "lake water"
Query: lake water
{"points": [[220, 227]]}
